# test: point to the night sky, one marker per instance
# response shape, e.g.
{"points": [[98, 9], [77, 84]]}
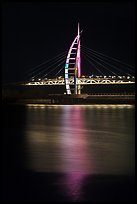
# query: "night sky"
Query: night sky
{"points": [[34, 31]]}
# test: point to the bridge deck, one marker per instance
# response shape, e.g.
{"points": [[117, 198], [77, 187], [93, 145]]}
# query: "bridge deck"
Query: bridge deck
{"points": [[83, 81]]}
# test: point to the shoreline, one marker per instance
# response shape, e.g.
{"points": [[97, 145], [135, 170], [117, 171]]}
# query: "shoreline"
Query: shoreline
{"points": [[83, 99]]}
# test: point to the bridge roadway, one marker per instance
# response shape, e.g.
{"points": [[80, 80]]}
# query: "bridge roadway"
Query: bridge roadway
{"points": [[83, 81]]}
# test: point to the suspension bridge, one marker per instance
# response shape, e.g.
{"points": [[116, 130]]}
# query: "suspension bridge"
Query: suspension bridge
{"points": [[65, 69]]}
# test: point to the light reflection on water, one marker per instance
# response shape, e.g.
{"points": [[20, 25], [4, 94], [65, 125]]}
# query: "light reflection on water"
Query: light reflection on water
{"points": [[82, 106], [80, 140]]}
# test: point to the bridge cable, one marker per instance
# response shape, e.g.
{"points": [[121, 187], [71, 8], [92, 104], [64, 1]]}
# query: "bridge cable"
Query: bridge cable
{"points": [[93, 64], [62, 57], [47, 61], [54, 68], [49, 67], [108, 57], [100, 64], [59, 71], [107, 63]]}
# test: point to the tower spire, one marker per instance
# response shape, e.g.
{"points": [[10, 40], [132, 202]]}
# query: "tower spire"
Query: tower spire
{"points": [[78, 30]]}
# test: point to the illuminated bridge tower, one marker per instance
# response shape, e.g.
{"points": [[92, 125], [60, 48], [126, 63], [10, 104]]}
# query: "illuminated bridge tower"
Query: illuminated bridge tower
{"points": [[73, 66]]}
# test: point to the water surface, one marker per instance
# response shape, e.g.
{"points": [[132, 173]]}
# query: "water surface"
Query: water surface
{"points": [[69, 152]]}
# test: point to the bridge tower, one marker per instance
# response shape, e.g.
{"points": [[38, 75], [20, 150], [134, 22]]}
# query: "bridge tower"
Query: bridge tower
{"points": [[73, 66]]}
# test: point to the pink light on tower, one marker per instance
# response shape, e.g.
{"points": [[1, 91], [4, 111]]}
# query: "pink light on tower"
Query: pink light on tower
{"points": [[78, 53]]}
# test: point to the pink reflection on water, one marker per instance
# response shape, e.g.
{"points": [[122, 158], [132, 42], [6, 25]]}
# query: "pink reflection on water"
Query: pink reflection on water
{"points": [[73, 185], [76, 160], [75, 149]]}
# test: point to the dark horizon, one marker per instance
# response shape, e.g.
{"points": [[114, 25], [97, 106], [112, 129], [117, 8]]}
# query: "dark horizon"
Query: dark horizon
{"points": [[35, 31]]}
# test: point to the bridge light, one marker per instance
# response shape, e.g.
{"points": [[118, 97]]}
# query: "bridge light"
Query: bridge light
{"points": [[59, 77]]}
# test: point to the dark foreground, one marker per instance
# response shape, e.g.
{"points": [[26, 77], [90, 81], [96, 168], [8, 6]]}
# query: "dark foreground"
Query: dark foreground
{"points": [[30, 186]]}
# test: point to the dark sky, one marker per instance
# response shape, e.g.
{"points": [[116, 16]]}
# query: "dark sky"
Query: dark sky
{"points": [[33, 31]]}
